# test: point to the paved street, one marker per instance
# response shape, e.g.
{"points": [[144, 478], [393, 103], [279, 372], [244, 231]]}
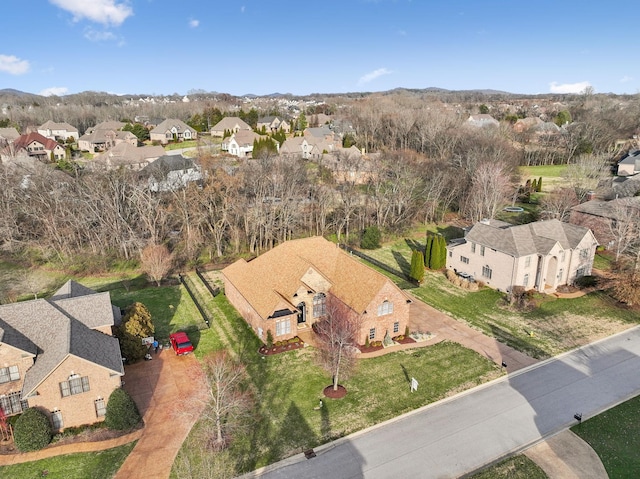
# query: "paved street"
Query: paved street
{"points": [[461, 434]]}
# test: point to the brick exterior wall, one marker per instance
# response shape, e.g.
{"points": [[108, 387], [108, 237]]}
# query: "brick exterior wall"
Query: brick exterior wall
{"points": [[77, 409], [385, 323], [10, 356]]}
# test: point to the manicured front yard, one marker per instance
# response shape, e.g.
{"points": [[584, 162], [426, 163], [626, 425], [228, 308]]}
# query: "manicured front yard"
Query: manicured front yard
{"points": [[94, 465], [289, 386], [553, 326]]}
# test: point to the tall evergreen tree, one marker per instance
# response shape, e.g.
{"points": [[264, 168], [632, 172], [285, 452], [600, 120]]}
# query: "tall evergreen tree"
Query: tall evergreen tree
{"points": [[539, 185], [427, 251], [417, 266]]}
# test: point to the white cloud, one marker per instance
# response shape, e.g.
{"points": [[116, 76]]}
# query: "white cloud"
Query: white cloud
{"points": [[54, 90], [373, 75], [96, 36], [107, 12], [194, 23], [12, 64], [555, 87], [626, 79]]}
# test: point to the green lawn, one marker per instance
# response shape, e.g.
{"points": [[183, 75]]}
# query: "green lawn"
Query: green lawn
{"points": [[548, 171], [94, 465], [615, 436], [517, 467], [554, 326], [171, 308], [180, 145], [289, 387]]}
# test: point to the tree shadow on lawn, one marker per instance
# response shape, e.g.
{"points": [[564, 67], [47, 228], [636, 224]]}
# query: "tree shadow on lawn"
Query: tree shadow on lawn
{"points": [[402, 263], [414, 245], [506, 338], [450, 232]]}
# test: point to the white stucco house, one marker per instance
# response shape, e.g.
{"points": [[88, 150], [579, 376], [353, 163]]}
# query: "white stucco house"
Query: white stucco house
{"points": [[541, 255]]}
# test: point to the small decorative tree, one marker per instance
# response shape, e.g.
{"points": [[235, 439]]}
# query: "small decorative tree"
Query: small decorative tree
{"points": [[269, 338], [337, 339], [371, 238], [136, 325]]}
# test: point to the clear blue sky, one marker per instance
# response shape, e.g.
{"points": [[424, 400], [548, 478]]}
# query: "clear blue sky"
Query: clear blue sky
{"points": [[309, 46]]}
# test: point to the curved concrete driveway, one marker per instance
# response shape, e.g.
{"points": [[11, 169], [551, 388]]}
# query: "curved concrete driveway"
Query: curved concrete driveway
{"points": [[157, 386]]}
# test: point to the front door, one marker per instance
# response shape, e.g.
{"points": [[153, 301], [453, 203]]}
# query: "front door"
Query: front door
{"points": [[302, 313]]}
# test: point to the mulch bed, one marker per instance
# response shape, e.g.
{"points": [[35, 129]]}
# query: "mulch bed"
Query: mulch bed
{"points": [[406, 340], [281, 348], [337, 394]]}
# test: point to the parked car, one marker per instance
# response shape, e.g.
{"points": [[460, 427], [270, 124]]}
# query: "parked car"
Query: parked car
{"points": [[180, 343]]}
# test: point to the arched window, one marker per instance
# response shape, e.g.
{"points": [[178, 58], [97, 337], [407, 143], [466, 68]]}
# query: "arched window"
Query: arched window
{"points": [[319, 305]]}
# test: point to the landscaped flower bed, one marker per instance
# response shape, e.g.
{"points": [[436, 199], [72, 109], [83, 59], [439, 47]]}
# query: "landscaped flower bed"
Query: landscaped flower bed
{"points": [[402, 339], [282, 346], [372, 346]]}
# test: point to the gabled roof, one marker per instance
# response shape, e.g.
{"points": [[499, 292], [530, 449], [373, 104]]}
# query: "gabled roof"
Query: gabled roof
{"points": [[107, 125], [523, 240], [282, 269], [9, 134], [617, 209], [25, 140], [61, 326], [168, 124], [163, 165], [245, 137], [229, 123], [52, 125], [124, 154]]}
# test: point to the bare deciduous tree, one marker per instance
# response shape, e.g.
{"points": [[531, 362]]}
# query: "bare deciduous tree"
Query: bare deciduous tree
{"points": [[156, 261], [227, 404], [558, 203], [585, 174], [490, 189], [337, 338]]}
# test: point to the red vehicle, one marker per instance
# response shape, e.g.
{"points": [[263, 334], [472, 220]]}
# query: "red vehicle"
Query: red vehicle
{"points": [[180, 343]]}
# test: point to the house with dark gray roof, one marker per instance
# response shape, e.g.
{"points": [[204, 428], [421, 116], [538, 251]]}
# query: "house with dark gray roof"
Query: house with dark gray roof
{"points": [[541, 255], [630, 163], [171, 173], [613, 222], [59, 355]]}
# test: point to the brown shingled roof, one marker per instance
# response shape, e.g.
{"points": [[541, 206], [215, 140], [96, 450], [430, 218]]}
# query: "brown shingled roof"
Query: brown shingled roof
{"points": [[278, 274]]}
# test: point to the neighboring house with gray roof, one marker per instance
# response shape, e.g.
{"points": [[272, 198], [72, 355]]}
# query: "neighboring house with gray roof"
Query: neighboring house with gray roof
{"points": [[609, 219], [541, 255], [482, 120], [171, 173], [58, 131], [8, 136], [172, 130], [231, 124], [630, 163], [127, 156], [59, 355]]}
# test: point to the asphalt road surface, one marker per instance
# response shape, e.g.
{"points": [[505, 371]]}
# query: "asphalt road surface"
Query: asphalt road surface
{"points": [[461, 434]]}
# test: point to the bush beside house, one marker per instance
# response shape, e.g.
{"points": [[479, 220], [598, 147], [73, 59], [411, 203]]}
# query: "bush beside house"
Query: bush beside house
{"points": [[32, 431], [122, 412]]}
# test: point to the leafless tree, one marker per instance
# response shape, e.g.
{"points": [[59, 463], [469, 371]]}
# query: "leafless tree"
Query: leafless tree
{"points": [[586, 173], [227, 404], [558, 203], [156, 261], [337, 339], [490, 189]]}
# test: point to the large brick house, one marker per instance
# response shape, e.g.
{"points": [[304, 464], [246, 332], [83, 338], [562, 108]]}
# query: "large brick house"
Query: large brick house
{"points": [[285, 290], [58, 355], [541, 255]]}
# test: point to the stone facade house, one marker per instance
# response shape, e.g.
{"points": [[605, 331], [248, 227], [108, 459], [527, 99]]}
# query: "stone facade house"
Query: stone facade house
{"points": [[541, 255], [172, 130], [231, 124], [285, 291], [58, 355]]}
